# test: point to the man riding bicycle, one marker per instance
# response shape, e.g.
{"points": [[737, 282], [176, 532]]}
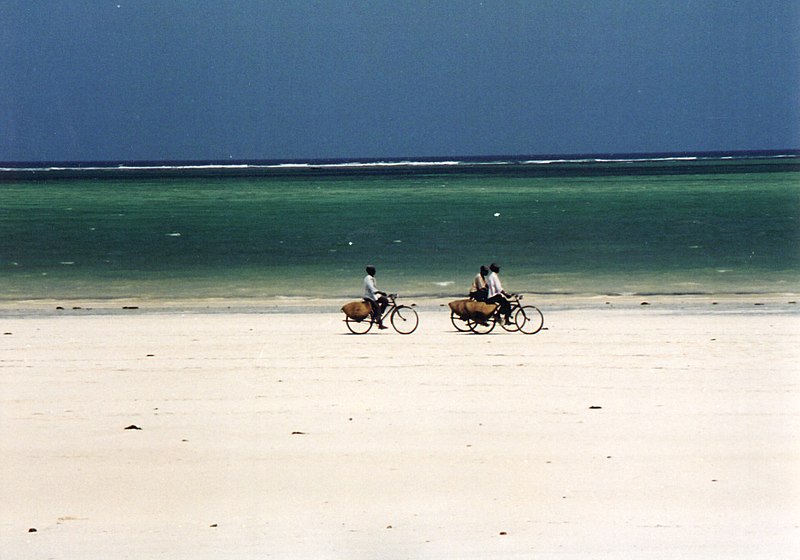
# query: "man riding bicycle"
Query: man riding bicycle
{"points": [[376, 299], [496, 293], [478, 291]]}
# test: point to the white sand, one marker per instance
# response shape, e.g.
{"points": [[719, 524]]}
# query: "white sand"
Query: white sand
{"points": [[433, 445]]}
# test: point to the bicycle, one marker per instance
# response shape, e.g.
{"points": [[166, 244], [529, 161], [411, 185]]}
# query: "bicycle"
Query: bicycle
{"points": [[403, 318], [527, 319]]}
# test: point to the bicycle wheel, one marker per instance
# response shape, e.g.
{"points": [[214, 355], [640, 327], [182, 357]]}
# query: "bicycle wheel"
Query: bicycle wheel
{"points": [[529, 319], [404, 319], [459, 323], [482, 327], [512, 326], [358, 326]]}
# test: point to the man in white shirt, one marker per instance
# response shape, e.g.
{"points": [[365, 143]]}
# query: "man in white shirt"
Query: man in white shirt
{"points": [[496, 293], [374, 297]]}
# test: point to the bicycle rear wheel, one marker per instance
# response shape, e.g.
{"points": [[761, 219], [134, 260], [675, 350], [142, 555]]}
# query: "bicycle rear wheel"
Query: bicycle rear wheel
{"points": [[358, 326], [529, 319], [512, 326], [404, 319], [479, 327], [459, 323]]}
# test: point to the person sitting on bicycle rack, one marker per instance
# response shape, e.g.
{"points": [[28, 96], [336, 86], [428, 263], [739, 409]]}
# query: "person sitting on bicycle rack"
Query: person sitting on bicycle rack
{"points": [[376, 299], [478, 291], [497, 294]]}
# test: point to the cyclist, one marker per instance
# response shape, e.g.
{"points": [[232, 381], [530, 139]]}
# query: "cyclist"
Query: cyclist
{"points": [[376, 299], [478, 291], [496, 293]]}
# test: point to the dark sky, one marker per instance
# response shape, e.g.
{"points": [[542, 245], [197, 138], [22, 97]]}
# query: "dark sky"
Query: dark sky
{"points": [[294, 79]]}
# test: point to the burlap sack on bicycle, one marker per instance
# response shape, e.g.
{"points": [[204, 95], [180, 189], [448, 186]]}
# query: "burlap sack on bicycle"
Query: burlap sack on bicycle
{"points": [[357, 310], [469, 309], [459, 307], [479, 311]]}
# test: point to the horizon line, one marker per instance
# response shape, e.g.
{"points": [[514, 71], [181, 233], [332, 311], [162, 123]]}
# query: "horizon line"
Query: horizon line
{"points": [[489, 158]]}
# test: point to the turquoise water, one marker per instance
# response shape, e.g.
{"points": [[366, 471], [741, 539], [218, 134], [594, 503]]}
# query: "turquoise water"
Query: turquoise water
{"points": [[426, 234]]}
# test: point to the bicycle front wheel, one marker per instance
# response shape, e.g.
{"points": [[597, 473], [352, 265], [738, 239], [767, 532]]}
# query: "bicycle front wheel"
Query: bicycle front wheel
{"points": [[358, 326], [482, 327], [529, 319], [404, 319]]}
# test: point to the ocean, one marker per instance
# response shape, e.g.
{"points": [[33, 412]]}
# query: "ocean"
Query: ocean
{"points": [[662, 224]]}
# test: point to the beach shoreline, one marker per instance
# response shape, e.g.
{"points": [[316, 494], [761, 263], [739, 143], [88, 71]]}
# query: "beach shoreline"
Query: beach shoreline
{"points": [[620, 430], [765, 302]]}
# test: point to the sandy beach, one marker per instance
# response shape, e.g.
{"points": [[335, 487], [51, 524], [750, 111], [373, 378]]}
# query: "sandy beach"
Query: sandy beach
{"points": [[622, 430]]}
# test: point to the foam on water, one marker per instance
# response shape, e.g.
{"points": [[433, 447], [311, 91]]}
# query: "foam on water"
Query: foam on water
{"points": [[434, 163]]}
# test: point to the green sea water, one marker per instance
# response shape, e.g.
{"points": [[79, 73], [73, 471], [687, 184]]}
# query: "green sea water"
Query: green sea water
{"points": [[427, 235]]}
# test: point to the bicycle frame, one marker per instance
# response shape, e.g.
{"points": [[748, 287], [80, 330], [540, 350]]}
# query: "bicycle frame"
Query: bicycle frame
{"points": [[392, 303]]}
